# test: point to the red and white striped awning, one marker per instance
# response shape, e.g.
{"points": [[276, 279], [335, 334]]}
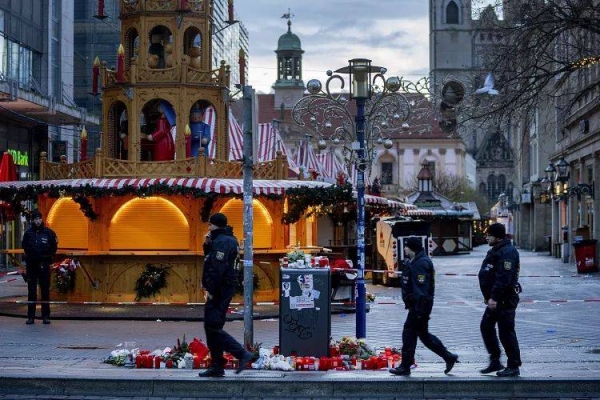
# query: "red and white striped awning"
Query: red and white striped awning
{"points": [[269, 143], [330, 165], [208, 185], [236, 136], [305, 158], [417, 212]]}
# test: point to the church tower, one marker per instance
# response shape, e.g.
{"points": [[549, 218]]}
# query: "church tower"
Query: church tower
{"points": [[289, 87], [450, 39], [457, 42]]}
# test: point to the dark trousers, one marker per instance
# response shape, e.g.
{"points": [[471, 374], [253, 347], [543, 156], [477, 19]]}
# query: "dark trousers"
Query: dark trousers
{"points": [[38, 273], [505, 319], [417, 326], [217, 339]]}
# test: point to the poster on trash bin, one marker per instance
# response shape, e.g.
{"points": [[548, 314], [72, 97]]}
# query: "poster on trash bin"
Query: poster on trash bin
{"points": [[304, 312]]}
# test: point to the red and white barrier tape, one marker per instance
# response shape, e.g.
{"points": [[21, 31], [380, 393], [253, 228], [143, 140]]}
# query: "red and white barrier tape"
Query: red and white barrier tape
{"points": [[274, 303]]}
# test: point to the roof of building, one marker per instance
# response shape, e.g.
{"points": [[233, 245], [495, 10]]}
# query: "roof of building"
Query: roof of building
{"points": [[289, 40]]}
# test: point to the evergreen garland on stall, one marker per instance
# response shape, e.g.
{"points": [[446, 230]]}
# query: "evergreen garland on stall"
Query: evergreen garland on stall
{"points": [[86, 207], [151, 281], [301, 199]]}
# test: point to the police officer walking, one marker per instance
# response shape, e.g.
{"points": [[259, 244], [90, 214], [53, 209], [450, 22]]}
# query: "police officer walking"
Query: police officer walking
{"points": [[499, 283], [418, 287], [219, 280], [39, 244]]}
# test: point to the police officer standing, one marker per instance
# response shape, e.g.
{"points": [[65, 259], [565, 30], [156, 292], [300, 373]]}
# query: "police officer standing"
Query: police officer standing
{"points": [[418, 287], [219, 280], [499, 283], [39, 244]]}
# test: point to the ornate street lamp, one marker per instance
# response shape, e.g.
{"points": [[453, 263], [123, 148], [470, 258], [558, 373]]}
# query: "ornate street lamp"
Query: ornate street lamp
{"points": [[559, 173], [562, 170], [376, 114]]}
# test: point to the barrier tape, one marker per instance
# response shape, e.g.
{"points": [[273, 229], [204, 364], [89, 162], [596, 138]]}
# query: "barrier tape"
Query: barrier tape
{"points": [[274, 303]]}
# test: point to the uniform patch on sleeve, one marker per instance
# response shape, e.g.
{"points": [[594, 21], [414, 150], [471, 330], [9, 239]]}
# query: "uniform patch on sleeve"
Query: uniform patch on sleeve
{"points": [[421, 279], [220, 255], [507, 265]]}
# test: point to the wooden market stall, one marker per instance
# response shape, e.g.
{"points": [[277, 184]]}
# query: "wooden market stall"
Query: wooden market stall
{"points": [[144, 198]]}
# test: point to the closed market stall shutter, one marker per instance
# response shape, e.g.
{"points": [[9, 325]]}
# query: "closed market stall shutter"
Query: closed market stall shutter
{"points": [[151, 223], [70, 225], [262, 224]]}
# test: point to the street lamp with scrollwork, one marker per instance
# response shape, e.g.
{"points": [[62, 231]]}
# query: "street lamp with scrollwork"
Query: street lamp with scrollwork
{"points": [[555, 182], [379, 110]]}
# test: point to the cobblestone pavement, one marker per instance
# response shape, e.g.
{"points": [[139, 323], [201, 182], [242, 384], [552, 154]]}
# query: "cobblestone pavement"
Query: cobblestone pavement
{"points": [[558, 326]]}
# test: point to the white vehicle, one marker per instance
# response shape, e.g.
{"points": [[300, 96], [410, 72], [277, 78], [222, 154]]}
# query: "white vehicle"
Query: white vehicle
{"points": [[391, 232]]}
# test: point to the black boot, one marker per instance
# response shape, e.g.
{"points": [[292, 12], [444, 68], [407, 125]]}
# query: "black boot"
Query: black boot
{"points": [[494, 366], [450, 359], [508, 372], [401, 370]]}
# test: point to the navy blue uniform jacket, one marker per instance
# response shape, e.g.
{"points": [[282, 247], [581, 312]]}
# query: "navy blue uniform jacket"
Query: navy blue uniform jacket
{"points": [[499, 273], [39, 244], [219, 261], [418, 284]]}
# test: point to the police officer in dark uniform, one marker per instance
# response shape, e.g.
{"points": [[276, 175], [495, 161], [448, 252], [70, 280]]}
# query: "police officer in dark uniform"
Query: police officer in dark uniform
{"points": [[499, 283], [219, 280], [418, 287], [39, 244]]}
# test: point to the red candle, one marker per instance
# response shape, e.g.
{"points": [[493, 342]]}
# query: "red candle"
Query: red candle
{"points": [[83, 148], [101, 8], [95, 76], [121, 64]]}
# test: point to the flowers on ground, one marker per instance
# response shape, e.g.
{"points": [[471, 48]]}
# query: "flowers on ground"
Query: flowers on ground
{"points": [[352, 346]]}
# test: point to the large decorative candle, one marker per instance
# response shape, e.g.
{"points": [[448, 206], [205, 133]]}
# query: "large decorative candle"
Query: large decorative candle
{"points": [[95, 76], [120, 64], [83, 148]]}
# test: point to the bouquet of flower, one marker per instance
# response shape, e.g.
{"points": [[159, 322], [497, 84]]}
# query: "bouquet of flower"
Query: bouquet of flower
{"points": [[353, 347], [296, 255], [151, 281], [64, 274]]}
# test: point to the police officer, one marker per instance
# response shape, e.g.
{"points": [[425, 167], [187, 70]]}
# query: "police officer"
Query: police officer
{"points": [[418, 287], [39, 244], [499, 283], [219, 280]]}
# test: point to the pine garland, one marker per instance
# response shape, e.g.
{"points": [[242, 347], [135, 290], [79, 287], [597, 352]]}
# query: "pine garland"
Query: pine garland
{"points": [[86, 207]]}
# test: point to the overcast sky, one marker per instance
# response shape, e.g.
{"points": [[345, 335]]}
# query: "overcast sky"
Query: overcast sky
{"points": [[392, 33]]}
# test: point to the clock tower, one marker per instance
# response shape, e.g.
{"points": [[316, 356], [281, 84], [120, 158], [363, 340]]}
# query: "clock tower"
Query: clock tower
{"points": [[289, 87]]}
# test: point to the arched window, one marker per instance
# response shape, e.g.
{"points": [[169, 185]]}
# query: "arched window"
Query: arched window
{"points": [[491, 187], [501, 185], [452, 13]]}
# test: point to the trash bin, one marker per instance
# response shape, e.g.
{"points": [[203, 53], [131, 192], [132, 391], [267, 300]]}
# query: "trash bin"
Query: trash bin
{"points": [[304, 312], [585, 255]]}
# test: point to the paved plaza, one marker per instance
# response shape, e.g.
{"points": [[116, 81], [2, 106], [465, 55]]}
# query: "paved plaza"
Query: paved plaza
{"points": [[558, 325]]}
